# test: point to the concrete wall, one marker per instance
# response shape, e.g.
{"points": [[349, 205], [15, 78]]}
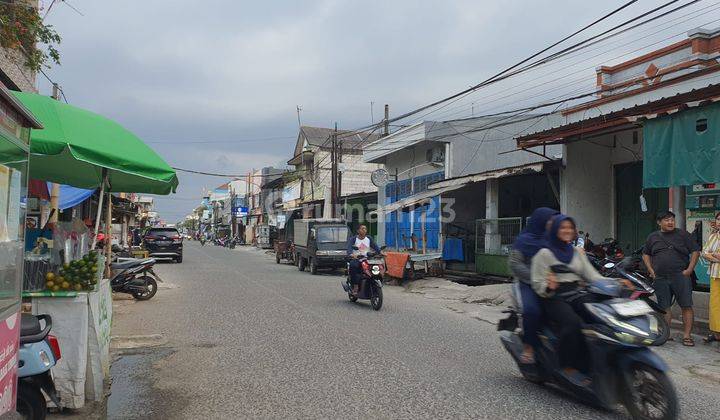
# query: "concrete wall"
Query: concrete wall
{"points": [[587, 182], [12, 63], [355, 178]]}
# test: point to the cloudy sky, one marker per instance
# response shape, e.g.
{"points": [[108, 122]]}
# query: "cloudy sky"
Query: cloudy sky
{"points": [[212, 85]]}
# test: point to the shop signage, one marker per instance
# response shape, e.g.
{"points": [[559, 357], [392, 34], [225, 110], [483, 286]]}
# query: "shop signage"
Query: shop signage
{"points": [[240, 211], [9, 338]]}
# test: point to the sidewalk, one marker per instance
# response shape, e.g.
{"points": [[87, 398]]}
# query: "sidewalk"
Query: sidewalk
{"points": [[486, 303]]}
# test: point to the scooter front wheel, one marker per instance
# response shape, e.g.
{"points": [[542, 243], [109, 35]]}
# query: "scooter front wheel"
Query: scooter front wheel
{"points": [[376, 301], [649, 394], [663, 329], [31, 403]]}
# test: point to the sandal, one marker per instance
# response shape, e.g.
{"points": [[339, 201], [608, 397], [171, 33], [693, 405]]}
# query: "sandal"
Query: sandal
{"points": [[711, 338], [688, 342], [527, 359]]}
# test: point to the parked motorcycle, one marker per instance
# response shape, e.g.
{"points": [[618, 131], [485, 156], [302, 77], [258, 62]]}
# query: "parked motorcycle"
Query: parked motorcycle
{"points": [[372, 274], [135, 277], [623, 368], [643, 290], [39, 352]]}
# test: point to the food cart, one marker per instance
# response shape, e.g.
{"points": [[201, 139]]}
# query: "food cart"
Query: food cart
{"points": [[79, 148]]}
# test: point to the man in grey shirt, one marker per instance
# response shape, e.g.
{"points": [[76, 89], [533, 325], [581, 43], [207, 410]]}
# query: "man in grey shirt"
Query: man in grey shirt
{"points": [[670, 255]]}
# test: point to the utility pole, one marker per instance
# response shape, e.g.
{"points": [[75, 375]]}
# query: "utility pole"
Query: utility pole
{"points": [[372, 114], [338, 154], [233, 223], [333, 172], [386, 130]]}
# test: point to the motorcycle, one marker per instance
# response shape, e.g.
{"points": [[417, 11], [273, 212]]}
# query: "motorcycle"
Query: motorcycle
{"points": [[135, 277], [623, 368], [372, 274], [39, 351]]}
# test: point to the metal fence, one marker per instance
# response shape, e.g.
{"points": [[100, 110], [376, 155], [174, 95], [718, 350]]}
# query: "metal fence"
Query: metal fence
{"points": [[495, 236]]}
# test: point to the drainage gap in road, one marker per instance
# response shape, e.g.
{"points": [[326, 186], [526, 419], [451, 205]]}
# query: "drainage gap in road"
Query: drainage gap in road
{"points": [[473, 279]]}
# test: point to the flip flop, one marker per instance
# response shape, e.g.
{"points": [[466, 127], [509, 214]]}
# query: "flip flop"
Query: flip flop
{"points": [[578, 378], [526, 359], [688, 342]]}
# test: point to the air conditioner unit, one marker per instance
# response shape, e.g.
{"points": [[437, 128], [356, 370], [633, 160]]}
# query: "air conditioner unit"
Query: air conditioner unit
{"points": [[436, 155]]}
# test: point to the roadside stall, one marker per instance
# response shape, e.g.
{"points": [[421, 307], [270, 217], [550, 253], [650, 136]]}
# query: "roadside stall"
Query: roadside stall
{"points": [[83, 150], [15, 124]]}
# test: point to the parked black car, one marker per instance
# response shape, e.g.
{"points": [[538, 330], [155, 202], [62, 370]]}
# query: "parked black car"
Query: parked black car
{"points": [[164, 243]]}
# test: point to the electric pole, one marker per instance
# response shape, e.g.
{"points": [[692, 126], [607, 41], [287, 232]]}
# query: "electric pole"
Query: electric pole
{"points": [[333, 172], [372, 114], [386, 122], [338, 153]]}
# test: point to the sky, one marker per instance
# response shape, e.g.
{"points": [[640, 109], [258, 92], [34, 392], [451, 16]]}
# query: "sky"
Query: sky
{"points": [[213, 85]]}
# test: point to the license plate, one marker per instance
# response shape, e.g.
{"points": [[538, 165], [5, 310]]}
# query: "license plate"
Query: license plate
{"points": [[632, 308], [162, 243]]}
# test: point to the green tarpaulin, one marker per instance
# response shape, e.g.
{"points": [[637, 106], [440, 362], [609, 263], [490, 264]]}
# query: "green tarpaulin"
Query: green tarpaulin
{"points": [[682, 149], [76, 145]]}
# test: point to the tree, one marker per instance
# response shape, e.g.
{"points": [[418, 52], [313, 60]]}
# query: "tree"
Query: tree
{"points": [[22, 29]]}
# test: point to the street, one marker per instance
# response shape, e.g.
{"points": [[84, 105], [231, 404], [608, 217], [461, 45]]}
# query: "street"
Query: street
{"points": [[233, 335]]}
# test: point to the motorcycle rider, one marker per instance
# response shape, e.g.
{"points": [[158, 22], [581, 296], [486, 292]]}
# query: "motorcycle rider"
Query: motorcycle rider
{"points": [[565, 318], [364, 244], [527, 244]]}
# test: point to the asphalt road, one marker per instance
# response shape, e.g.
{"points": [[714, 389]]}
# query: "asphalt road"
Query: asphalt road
{"points": [[243, 337]]}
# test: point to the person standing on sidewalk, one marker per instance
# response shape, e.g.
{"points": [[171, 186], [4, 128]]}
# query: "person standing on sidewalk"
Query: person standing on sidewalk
{"points": [[711, 253], [670, 255]]}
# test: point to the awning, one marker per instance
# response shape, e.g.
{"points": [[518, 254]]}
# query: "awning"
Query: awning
{"points": [[416, 199], [482, 176], [76, 147], [682, 149], [71, 196]]}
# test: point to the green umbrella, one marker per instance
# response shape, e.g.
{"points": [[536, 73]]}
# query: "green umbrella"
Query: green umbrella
{"points": [[76, 147]]}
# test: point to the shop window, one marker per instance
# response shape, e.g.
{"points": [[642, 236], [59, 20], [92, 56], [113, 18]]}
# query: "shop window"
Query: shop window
{"points": [[701, 125]]}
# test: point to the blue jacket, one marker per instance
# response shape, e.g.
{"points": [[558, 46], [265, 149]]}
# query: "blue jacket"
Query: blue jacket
{"points": [[351, 243]]}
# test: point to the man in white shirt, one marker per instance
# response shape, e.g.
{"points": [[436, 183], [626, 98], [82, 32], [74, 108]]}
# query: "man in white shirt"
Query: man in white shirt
{"points": [[364, 244]]}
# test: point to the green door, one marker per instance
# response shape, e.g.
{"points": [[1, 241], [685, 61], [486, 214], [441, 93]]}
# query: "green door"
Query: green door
{"points": [[633, 225]]}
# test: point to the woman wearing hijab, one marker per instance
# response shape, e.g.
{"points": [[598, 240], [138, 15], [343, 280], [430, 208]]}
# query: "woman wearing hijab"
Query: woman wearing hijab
{"points": [[528, 243], [711, 253], [563, 316]]}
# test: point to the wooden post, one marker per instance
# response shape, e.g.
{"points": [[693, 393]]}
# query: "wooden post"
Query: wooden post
{"points": [[108, 235], [423, 220]]}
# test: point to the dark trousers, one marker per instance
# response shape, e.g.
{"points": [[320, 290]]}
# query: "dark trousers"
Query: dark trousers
{"points": [[531, 314], [355, 271], [567, 324]]}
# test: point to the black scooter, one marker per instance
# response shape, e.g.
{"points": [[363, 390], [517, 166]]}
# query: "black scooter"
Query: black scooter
{"points": [[372, 274], [135, 277], [622, 366]]}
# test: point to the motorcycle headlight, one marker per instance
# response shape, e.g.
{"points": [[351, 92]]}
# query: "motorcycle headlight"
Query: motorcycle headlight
{"points": [[375, 270]]}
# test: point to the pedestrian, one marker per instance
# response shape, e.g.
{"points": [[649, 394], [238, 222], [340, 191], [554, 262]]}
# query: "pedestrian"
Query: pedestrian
{"points": [[670, 255], [711, 253], [528, 243]]}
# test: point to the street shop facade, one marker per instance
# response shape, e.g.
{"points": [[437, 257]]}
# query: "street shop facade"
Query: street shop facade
{"points": [[15, 124], [649, 141], [431, 201]]}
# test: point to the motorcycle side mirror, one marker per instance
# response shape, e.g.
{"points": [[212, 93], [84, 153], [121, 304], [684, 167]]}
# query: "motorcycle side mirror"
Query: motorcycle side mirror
{"points": [[560, 269]]}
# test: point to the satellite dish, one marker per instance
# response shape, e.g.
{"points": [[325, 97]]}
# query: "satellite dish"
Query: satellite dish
{"points": [[379, 177]]}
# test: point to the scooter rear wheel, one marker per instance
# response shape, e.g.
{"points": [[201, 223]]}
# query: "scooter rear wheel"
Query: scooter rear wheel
{"points": [[151, 285], [649, 394], [31, 402]]}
